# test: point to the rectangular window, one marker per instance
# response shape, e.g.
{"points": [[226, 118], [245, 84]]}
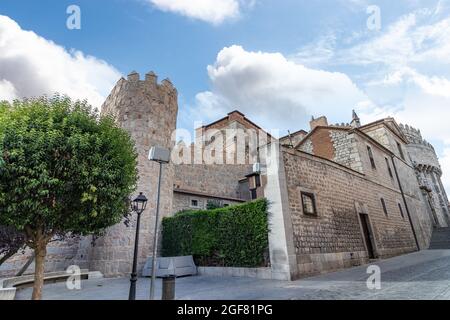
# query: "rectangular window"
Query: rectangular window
{"points": [[389, 168], [372, 160], [401, 210], [258, 181], [383, 203], [309, 204], [194, 203], [253, 194], [400, 151]]}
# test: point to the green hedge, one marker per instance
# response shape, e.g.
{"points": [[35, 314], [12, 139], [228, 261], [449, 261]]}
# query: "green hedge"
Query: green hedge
{"points": [[235, 236]]}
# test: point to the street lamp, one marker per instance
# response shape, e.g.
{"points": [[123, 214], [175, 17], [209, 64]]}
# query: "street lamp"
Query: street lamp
{"points": [[138, 205], [160, 155]]}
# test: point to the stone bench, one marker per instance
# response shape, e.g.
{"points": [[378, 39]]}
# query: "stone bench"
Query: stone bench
{"points": [[171, 266], [9, 286]]}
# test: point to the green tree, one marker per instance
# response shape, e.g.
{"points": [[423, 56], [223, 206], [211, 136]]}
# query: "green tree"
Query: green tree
{"points": [[64, 171]]}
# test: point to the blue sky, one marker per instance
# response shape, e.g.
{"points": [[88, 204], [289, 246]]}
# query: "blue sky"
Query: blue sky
{"points": [[277, 61]]}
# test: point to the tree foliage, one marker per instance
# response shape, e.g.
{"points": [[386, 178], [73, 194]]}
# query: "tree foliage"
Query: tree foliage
{"points": [[63, 170]]}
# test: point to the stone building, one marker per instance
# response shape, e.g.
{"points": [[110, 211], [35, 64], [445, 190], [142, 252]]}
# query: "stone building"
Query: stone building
{"points": [[429, 173], [340, 195]]}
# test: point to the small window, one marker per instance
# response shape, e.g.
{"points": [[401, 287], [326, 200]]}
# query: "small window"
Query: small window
{"points": [[258, 181], [372, 160], [400, 150], [309, 204], [389, 168], [253, 194], [226, 205], [383, 204], [401, 210], [194, 203]]}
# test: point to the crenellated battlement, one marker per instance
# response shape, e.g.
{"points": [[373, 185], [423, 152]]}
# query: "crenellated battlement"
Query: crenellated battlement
{"points": [[414, 136], [143, 92], [150, 83]]}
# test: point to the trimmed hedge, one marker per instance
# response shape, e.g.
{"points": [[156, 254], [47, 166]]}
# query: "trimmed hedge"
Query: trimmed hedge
{"points": [[235, 236]]}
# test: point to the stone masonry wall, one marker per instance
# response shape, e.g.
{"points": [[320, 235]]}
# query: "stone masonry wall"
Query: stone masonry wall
{"points": [[214, 180], [182, 202], [346, 151], [148, 111], [307, 146], [333, 239], [60, 255], [418, 205], [429, 173]]}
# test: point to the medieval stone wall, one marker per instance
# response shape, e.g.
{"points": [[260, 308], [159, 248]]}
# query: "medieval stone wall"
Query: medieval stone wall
{"points": [[212, 179], [333, 239], [429, 173], [60, 255], [183, 201], [148, 111], [346, 149], [307, 146]]}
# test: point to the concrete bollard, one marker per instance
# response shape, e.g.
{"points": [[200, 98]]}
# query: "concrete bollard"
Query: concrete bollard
{"points": [[168, 288]]}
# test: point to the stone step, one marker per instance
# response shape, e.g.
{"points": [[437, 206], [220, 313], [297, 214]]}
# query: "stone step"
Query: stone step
{"points": [[440, 239]]}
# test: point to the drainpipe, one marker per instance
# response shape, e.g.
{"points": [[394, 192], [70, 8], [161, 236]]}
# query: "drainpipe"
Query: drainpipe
{"points": [[406, 204]]}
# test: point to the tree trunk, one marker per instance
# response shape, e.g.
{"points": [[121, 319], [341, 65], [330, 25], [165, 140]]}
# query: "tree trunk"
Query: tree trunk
{"points": [[40, 251], [6, 257], [25, 266]]}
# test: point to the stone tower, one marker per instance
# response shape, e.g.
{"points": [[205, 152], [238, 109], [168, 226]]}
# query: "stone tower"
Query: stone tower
{"points": [[148, 111], [429, 173]]}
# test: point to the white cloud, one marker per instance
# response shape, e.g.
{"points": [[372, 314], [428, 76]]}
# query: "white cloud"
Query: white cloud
{"points": [[273, 91], [7, 91], [410, 68], [211, 11], [31, 66]]}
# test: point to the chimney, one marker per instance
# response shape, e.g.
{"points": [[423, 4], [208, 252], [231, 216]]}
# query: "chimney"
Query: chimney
{"points": [[319, 122]]}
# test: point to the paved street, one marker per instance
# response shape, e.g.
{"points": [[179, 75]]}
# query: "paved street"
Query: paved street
{"points": [[422, 275]]}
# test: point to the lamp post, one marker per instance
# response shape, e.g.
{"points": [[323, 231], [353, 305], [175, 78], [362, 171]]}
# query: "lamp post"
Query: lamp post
{"points": [[138, 205], [161, 156]]}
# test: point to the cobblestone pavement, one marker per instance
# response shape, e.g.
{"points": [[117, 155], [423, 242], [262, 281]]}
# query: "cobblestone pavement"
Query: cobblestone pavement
{"points": [[421, 275]]}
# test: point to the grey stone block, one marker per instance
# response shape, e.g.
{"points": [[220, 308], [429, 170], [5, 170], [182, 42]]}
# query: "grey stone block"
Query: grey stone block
{"points": [[7, 294], [178, 266]]}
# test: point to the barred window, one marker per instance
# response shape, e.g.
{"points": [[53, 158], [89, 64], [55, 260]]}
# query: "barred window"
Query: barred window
{"points": [[309, 204]]}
